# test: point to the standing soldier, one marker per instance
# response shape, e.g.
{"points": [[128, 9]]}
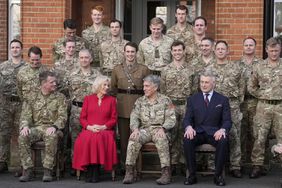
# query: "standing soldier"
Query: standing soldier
{"points": [[230, 83], [44, 113], [97, 33], [193, 43], [154, 51], [127, 83], [80, 84], [27, 77], [111, 53], [11, 104], [151, 118], [70, 34], [265, 84], [182, 30], [248, 61], [176, 83]]}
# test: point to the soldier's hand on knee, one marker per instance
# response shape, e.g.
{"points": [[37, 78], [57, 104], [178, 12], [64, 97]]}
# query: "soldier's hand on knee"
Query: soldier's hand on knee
{"points": [[135, 135], [50, 131], [25, 131], [278, 148]]}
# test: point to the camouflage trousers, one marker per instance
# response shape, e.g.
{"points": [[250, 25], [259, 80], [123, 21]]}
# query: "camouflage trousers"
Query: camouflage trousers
{"points": [[268, 116], [38, 134], [177, 151], [235, 135], [148, 135], [75, 126], [9, 126], [248, 109]]}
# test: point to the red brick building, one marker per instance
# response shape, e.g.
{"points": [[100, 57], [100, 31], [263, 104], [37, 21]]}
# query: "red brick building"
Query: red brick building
{"points": [[41, 21]]}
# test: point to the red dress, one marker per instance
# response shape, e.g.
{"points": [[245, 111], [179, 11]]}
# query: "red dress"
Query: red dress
{"points": [[100, 147]]}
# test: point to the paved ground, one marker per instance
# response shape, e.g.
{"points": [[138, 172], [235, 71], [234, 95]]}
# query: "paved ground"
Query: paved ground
{"points": [[270, 181]]}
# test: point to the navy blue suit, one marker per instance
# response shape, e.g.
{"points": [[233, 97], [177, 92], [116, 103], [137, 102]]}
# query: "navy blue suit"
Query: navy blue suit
{"points": [[206, 120]]}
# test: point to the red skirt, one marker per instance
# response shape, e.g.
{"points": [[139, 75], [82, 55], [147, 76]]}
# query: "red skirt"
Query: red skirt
{"points": [[95, 148]]}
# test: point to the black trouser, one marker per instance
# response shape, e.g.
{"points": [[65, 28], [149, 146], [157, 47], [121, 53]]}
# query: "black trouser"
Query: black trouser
{"points": [[124, 132], [202, 138]]}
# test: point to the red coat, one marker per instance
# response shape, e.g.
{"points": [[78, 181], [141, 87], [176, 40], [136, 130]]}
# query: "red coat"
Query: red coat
{"points": [[100, 147]]}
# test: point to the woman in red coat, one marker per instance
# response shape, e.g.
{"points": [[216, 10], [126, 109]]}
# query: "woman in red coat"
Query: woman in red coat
{"points": [[96, 144]]}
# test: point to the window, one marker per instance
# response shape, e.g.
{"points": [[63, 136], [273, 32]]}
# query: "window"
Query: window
{"points": [[14, 19]]}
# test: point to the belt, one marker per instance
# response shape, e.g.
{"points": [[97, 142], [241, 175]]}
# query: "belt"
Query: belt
{"points": [[272, 102], [12, 98], [155, 72], [131, 91], [78, 104], [178, 102]]}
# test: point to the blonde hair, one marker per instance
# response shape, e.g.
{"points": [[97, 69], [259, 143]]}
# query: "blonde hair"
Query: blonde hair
{"points": [[98, 83]]}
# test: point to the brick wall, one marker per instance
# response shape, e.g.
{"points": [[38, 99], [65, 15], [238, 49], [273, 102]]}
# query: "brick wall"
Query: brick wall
{"points": [[208, 11], [235, 20], [3, 30], [42, 24]]}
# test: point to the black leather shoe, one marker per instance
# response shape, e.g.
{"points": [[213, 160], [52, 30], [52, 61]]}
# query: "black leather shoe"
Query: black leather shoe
{"points": [[236, 173], [256, 172], [219, 181], [190, 180]]}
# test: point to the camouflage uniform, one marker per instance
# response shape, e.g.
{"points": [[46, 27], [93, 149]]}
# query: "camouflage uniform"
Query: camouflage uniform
{"points": [[79, 85], [10, 109], [230, 83], [192, 49], [199, 65], [155, 57], [182, 35], [111, 54], [248, 109], [58, 48], [149, 118], [176, 83], [95, 39], [28, 80], [265, 84], [40, 113]]}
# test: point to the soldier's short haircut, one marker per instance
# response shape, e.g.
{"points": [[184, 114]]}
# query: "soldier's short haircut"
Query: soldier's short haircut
{"points": [[98, 8], [97, 84], [157, 20], [68, 40], [208, 73], [115, 20], [177, 43], [85, 50], [209, 39], [17, 41], [154, 79], [252, 38], [200, 18], [45, 74], [70, 23], [36, 50], [272, 42], [223, 42], [131, 44], [182, 7]]}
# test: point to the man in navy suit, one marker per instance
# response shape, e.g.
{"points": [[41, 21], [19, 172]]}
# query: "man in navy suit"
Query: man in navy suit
{"points": [[207, 121]]}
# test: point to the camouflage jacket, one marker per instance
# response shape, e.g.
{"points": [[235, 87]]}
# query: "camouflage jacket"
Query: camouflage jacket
{"points": [[182, 35], [95, 39], [28, 80], [159, 114], [266, 81], [112, 53], [8, 77], [176, 83], [229, 79], [80, 85], [155, 57], [42, 110], [58, 48], [192, 49]]}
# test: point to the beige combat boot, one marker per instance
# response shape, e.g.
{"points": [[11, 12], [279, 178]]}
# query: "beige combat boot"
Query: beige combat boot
{"points": [[129, 176], [27, 175], [166, 176], [47, 177]]}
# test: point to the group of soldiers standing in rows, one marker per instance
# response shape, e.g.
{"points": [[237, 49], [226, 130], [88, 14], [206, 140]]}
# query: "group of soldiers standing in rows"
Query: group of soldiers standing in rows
{"points": [[252, 85]]}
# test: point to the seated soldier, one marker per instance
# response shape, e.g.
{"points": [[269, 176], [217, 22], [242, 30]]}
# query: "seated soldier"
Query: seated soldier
{"points": [[43, 114], [152, 117]]}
